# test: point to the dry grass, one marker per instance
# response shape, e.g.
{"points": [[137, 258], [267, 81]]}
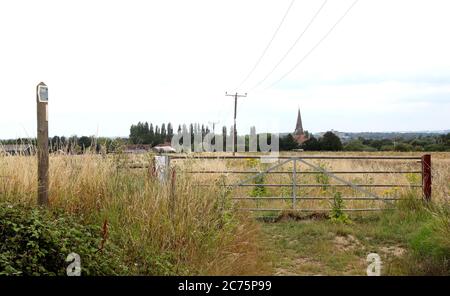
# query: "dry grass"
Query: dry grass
{"points": [[197, 234], [440, 187]]}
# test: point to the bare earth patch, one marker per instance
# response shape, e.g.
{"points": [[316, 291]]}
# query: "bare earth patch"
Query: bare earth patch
{"points": [[393, 251], [347, 243]]}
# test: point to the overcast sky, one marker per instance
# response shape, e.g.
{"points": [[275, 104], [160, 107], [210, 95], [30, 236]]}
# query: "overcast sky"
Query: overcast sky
{"points": [[108, 64]]}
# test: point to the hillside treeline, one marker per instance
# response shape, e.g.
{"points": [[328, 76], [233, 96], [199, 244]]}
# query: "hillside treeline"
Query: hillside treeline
{"points": [[144, 133]]}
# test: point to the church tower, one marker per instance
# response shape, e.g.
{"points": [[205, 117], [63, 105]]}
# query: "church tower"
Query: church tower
{"points": [[299, 134], [299, 125]]}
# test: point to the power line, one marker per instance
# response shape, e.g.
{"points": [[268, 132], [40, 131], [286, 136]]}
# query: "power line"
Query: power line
{"points": [[292, 46], [268, 45], [315, 46]]}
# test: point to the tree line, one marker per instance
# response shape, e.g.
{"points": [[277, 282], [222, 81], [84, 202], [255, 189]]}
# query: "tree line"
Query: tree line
{"points": [[144, 133], [331, 142]]}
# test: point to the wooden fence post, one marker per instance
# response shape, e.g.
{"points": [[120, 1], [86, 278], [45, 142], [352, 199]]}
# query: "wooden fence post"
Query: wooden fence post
{"points": [[162, 167], [42, 142], [426, 176]]}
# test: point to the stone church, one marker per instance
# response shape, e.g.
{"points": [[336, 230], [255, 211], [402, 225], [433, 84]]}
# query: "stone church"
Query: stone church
{"points": [[299, 135]]}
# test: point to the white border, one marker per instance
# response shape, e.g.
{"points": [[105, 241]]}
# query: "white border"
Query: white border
{"points": [[39, 93]]}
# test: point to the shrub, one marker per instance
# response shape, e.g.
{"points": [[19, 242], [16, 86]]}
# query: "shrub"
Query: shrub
{"points": [[259, 190], [337, 213], [36, 241], [357, 145], [403, 147], [431, 242]]}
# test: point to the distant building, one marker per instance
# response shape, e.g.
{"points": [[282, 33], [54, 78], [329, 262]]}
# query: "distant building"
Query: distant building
{"points": [[164, 148], [137, 148], [299, 135]]}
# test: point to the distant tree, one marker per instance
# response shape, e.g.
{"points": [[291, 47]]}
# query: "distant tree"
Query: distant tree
{"points": [[151, 133], [62, 143], [224, 135], [157, 138], [84, 142], [288, 143], [357, 145], [134, 134], [163, 132], [330, 142], [169, 132], [55, 143], [436, 147], [312, 144], [403, 147]]}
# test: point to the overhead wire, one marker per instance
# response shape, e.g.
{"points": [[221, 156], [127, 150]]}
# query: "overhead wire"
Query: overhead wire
{"points": [[267, 46], [314, 47], [292, 46]]}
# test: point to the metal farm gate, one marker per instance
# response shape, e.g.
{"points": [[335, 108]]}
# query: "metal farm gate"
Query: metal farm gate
{"points": [[303, 165]]}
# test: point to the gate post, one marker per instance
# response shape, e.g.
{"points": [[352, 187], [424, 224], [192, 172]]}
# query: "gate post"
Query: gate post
{"points": [[162, 166], [426, 176], [294, 184]]}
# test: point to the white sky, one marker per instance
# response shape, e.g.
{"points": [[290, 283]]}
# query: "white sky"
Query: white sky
{"points": [[108, 64]]}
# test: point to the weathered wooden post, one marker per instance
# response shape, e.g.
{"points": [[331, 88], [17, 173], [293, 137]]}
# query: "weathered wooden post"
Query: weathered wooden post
{"points": [[42, 142], [426, 176], [294, 184], [162, 165]]}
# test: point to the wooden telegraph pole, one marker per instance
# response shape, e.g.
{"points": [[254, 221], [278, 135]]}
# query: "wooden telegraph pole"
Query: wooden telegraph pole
{"points": [[426, 176], [42, 142], [236, 95]]}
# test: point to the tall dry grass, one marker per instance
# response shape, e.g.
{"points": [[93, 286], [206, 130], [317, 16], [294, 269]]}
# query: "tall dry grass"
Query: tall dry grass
{"points": [[185, 230], [195, 230]]}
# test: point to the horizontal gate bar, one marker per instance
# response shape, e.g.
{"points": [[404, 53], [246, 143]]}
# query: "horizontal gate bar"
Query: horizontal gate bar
{"points": [[312, 185], [312, 198], [291, 157], [313, 210], [305, 172]]}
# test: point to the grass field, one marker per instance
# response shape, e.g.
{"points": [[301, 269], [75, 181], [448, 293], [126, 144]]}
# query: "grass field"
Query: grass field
{"points": [[148, 228]]}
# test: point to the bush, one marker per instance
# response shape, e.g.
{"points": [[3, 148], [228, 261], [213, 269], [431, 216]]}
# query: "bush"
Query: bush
{"points": [[431, 243], [356, 145], [337, 212], [435, 147], [387, 148], [259, 190], [36, 241], [312, 144], [403, 147]]}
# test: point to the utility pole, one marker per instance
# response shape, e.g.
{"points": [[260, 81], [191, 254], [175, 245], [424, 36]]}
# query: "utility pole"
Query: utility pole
{"points": [[236, 95], [42, 142]]}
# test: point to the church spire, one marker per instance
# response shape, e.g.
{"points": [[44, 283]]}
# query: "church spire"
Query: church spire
{"points": [[299, 126]]}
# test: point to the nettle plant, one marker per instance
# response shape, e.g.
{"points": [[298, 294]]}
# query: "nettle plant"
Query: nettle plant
{"points": [[259, 190], [337, 212]]}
